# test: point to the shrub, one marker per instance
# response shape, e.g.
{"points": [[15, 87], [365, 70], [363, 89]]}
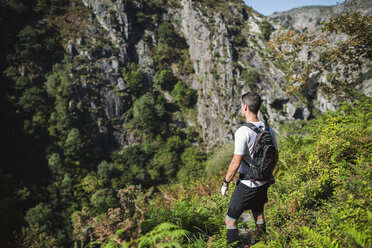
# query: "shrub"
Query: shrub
{"points": [[183, 95], [321, 177], [219, 159], [106, 171], [251, 77], [266, 29], [192, 167], [165, 79], [148, 115], [164, 235], [167, 35], [134, 79], [40, 215], [102, 200]]}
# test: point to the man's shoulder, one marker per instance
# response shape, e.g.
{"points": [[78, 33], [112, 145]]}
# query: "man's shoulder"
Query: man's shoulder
{"points": [[241, 130], [244, 131]]}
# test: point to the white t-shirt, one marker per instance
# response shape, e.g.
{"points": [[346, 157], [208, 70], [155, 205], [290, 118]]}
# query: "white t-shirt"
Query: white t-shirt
{"points": [[244, 140]]}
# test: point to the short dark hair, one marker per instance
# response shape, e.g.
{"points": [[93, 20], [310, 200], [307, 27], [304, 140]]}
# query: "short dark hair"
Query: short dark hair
{"points": [[253, 101]]}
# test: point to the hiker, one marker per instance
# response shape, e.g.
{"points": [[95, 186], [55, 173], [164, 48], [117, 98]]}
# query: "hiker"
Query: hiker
{"points": [[251, 189]]}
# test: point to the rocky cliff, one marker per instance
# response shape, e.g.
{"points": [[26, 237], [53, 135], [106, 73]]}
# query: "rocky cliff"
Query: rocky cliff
{"points": [[226, 49], [310, 17]]}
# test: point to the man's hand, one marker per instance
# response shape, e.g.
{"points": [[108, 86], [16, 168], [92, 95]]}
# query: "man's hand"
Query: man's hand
{"points": [[224, 189]]}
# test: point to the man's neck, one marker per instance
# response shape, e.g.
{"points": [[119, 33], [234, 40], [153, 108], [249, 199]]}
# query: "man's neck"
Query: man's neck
{"points": [[250, 117]]}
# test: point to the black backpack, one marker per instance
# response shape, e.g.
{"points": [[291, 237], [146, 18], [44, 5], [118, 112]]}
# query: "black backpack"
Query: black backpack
{"points": [[264, 155]]}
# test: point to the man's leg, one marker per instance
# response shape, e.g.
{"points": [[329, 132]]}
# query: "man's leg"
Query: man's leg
{"points": [[233, 213], [232, 234], [260, 222], [258, 211]]}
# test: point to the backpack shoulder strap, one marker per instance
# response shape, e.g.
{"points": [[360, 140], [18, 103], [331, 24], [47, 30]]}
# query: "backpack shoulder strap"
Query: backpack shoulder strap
{"points": [[253, 127]]}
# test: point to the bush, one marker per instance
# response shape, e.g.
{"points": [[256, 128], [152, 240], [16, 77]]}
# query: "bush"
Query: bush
{"points": [[165, 79], [219, 159], [106, 171], [183, 95], [192, 167], [170, 47], [102, 200], [149, 115], [190, 214], [166, 234], [134, 80], [167, 35], [321, 176], [40, 215], [266, 29], [251, 77]]}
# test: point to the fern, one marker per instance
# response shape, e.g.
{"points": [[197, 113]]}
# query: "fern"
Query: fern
{"points": [[163, 235], [320, 240], [362, 238]]}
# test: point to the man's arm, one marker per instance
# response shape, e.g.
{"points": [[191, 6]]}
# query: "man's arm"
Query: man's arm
{"points": [[233, 167]]}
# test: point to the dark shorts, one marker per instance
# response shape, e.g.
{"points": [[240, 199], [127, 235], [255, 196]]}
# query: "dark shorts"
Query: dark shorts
{"points": [[245, 198]]}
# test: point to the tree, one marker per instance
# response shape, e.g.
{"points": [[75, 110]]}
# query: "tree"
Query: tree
{"points": [[74, 145], [134, 79], [183, 95], [106, 171], [192, 164], [266, 29], [149, 114], [165, 79], [102, 200], [55, 164], [168, 35], [40, 215]]}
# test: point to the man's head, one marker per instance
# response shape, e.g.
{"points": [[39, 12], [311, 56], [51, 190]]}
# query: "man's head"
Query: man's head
{"points": [[252, 101]]}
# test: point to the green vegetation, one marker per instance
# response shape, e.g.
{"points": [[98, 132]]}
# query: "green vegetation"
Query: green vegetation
{"points": [[266, 30], [134, 80], [330, 190], [218, 159], [320, 198], [165, 79], [61, 188], [149, 114], [183, 95], [170, 47], [251, 77]]}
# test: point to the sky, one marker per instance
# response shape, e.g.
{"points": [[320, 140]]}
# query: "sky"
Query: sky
{"points": [[267, 7]]}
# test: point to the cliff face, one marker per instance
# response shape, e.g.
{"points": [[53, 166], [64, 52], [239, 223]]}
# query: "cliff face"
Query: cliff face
{"points": [[226, 49], [310, 17]]}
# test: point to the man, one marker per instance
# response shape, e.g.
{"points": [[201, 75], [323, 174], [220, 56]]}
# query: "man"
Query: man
{"points": [[248, 194]]}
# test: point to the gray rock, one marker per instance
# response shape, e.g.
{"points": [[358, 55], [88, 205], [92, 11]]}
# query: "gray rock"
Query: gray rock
{"points": [[121, 83], [111, 42]]}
